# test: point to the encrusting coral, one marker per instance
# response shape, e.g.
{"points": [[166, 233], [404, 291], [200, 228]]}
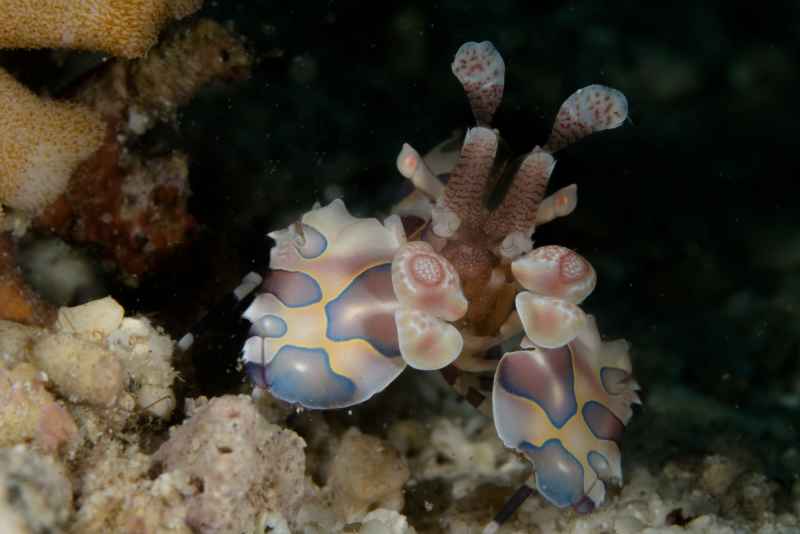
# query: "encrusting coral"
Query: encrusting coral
{"points": [[42, 141], [138, 210], [125, 28]]}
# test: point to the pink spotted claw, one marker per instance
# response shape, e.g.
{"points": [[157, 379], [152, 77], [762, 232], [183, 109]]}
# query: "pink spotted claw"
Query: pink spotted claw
{"points": [[555, 271], [428, 290], [424, 280], [480, 69]]}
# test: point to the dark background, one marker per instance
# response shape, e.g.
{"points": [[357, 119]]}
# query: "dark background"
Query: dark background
{"points": [[687, 212]]}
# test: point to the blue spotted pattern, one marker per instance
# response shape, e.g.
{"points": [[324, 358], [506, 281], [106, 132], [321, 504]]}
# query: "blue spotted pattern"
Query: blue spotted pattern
{"points": [[293, 289], [365, 310], [559, 475], [599, 463], [544, 376], [602, 422], [304, 376], [269, 326]]}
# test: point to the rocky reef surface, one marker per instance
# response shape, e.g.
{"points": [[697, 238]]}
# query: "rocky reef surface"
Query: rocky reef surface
{"points": [[90, 443]]}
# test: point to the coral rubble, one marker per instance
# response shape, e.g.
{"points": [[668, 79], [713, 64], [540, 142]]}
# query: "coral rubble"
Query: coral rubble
{"points": [[73, 398], [93, 367], [363, 486], [35, 493], [120, 493], [229, 451]]}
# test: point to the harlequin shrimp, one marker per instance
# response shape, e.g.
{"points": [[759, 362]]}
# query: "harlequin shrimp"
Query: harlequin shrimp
{"points": [[445, 283]]}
